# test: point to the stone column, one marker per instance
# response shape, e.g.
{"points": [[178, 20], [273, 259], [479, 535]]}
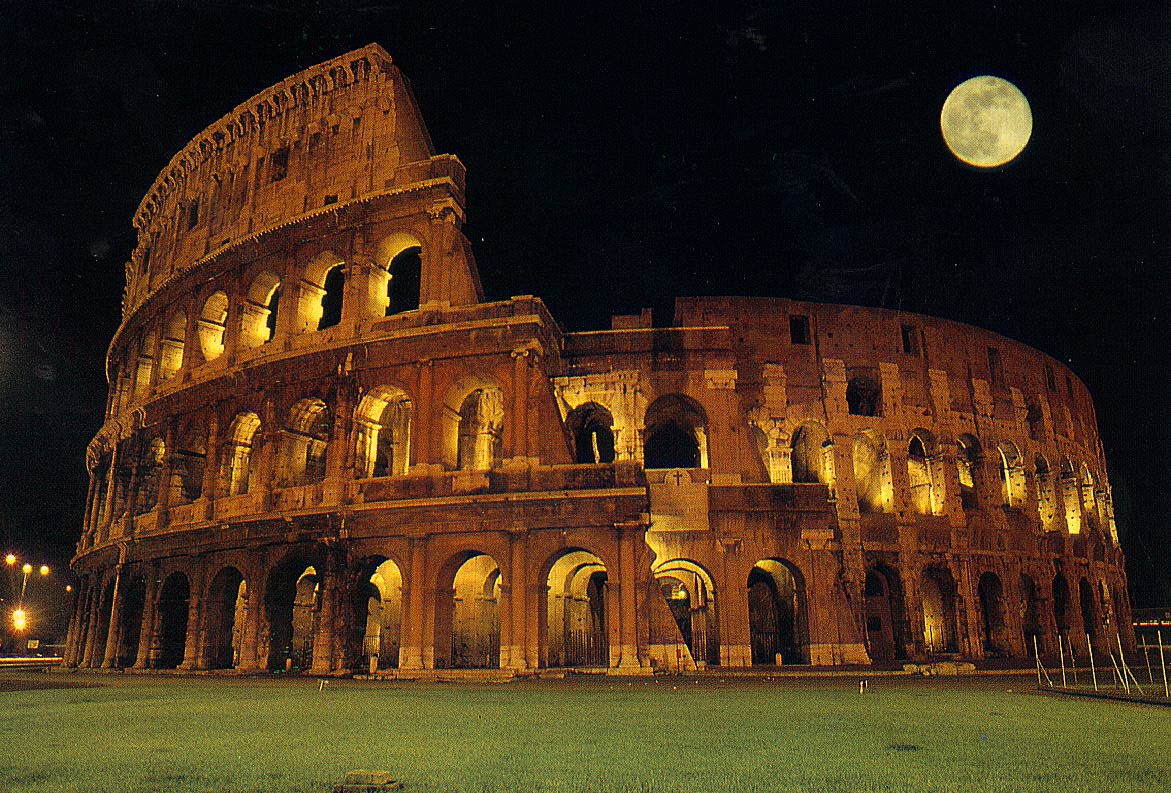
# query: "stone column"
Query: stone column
{"points": [[211, 466], [628, 630], [323, 638], [110, 657], [111, 485], [423, 444], [518, 602], [723, 436], [146, 637], [76, 623], [411, 642], [518, 421], [194, 614], [249, 644], [95, 607], [732, 608]]}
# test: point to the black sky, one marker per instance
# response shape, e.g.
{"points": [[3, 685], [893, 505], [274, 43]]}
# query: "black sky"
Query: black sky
{"points": [[620, 155]]}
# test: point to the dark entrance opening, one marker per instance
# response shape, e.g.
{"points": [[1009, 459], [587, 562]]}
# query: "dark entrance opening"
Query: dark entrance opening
{"points": [[173, 602]]}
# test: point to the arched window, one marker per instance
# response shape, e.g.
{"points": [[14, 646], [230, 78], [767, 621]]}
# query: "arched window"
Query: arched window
{"points": [[592, 428], [238, 458], [405, 276], [967, 465], [150, 469], [331, 301], [187, 464], [481, 428], [1089, 500], [174, 333], [1035, 419], [212, 320], [1046, 495], [1071, 498], [920, 477], [864, 395], [811, 447], [147, 345], [321, 293], [306, 438], [676, 433], [871, 473], [1012, 475], [258, 324], [383, 445]]}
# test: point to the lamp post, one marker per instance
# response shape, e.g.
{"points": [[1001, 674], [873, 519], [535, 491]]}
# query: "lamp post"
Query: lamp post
{"points": [[19, 617]]}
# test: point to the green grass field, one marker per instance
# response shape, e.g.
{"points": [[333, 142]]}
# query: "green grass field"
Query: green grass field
{"points": [[120, 733]]}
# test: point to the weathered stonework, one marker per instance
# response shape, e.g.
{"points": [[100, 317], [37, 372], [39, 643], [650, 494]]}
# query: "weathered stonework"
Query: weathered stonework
{"points": [[323, 450]]}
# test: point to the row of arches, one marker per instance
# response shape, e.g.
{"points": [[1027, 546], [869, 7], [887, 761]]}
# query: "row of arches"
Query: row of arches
{"points": [[314, 301]]}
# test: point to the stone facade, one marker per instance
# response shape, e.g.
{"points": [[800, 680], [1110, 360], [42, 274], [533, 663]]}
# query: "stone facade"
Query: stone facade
{"points": [[323, 450]]}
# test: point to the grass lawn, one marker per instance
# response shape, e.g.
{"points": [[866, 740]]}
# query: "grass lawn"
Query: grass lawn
{"points": [[123, 733]]}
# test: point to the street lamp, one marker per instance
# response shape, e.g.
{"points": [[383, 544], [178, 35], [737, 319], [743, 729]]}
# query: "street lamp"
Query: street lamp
{"points": [[19, 616]]}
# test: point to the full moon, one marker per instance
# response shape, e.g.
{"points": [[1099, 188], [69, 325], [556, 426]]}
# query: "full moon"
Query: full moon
{"points": [[986, 121]]}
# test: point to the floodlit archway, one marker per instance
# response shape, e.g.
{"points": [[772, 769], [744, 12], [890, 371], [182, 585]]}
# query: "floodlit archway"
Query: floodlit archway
{"points": [[676, 433], [133, 605], [171, 347], [776, 613], [691, 596], [937, 592], [383, 433], [304, 444], [174, 598], [967, 468], [404, 281], [213, 319], [811, 445], [592, 428], [871, 473], [467, 613], [576, 628], [994, 632], [291, 604], [473, 425], [377, 604], [239, 459]]}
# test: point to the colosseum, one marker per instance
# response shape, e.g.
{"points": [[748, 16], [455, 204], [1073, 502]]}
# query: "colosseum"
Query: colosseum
{"points": [[325, 451]]}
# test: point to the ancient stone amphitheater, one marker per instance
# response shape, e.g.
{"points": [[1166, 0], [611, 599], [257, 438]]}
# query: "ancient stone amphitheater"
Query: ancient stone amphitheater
{"points": [[325, 451]]}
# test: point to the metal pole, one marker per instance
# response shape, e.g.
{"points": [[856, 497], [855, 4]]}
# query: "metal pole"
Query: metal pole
{"points": [[1061, 650], [1093, 671], [1037, 660], [1118, 674], [1163, 666], [1073, 663], [1147, 656]]}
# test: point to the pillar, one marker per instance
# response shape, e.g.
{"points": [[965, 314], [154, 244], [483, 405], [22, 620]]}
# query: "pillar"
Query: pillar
{"points": [[518, 603], [411, 631], [110, 657], [628, 628], [249, 644], [146, 637], [194, 612], [95, 606], [323, 638]]}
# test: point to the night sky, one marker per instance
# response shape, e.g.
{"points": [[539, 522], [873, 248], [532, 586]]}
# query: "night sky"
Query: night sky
{"points": [[619, 157]]}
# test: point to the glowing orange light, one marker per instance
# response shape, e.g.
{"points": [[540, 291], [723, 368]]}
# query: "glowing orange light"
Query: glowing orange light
{"points": [[44, 569], [69, 587], [10, 559], [19, 621], [28, 568]]}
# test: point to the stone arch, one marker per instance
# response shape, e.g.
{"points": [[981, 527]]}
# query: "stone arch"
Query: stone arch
{"points": [[1012, 474], [811, 448], [968, 456], [863, 393], [937, 590], [872, 479], [133, 598], [291, 603], [1089, 498], [473, 424], [213, 319], [1089, 609], [573, 624], [676, 433], [305, 438], [1070, 497], [924, 481], [148, 342], [259, 315], [591, 426], [467, 612], [103, 627], [376, 601], [1030, 607], [994, 631], [239, 458], [152, 453], [886, 614], [400, 260], [382, 426], [1061, 603], [777, 617], [691, 596], [174, 599], [1046, 493], [322, 292], [172, 344], [226, 612], [188, 462]]}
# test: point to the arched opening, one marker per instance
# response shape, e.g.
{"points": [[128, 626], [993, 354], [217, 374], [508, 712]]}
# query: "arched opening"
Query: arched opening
{"points": [[691, 596], [1012, 475], [383, 433], [102, 629], [811, 446], [871, 473], [227, 610], [150, 470], [333, 288], [481, 430], [144, 365], [864, 395], [575, 626], [1061, 603], [376, 600], [291, 604], [1089, 609], [921, 478], [1046, 495], [1030, 613], [1089, 500], [676, 433], [259, 316], [937, 592], [405, 277], [306, 437], [171, 352], [885, 614], [173, 605], [187, 464], [592, 428], [212, 321], [238, 459], [967, 466], [776, 613], [467, 613], [994, 632], [1071, 498], [130, 630]]}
